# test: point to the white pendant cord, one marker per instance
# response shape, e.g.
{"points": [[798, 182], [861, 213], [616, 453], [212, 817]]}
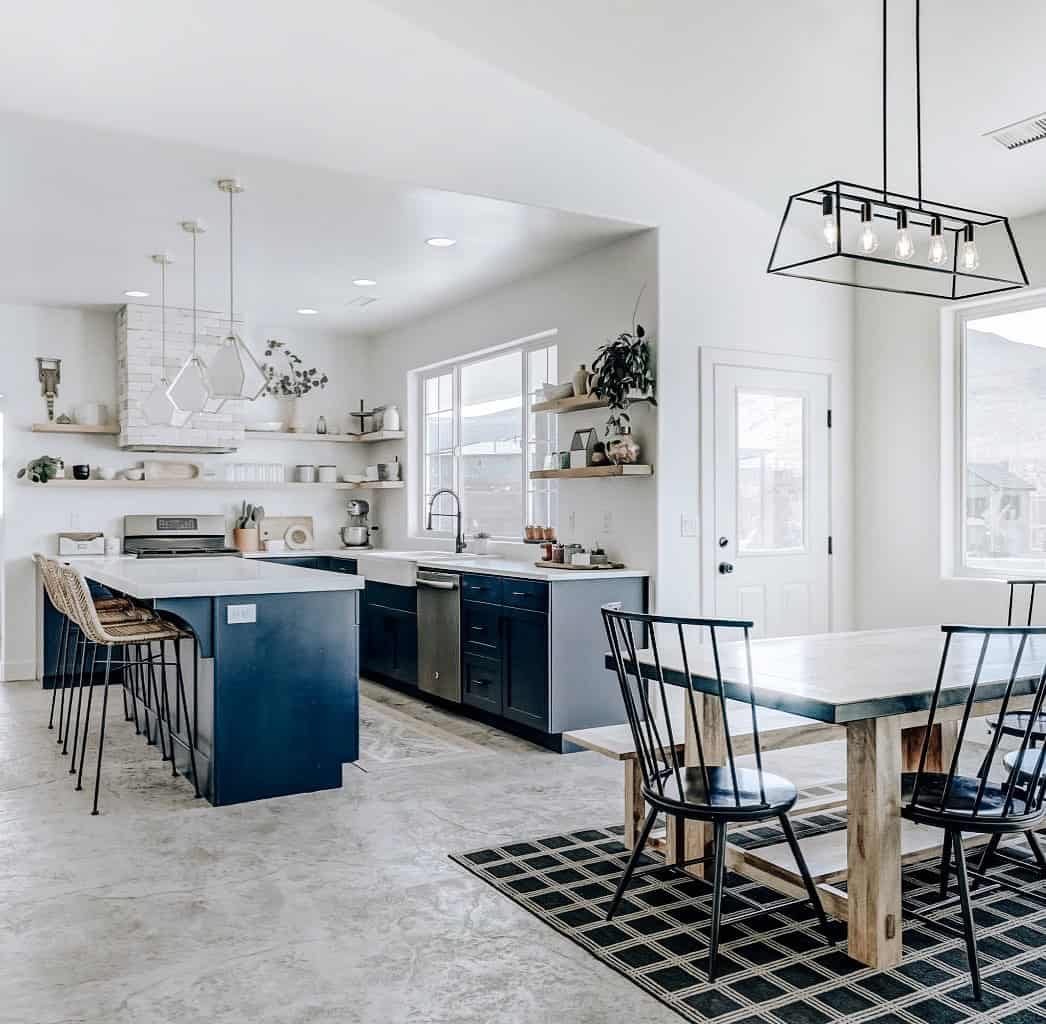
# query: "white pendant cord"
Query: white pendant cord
{"points": [[231, 306], [163, 320], [194, 234]]}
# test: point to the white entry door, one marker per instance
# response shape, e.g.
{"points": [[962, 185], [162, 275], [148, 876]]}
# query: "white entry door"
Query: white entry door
{"points": [[772, 502]]}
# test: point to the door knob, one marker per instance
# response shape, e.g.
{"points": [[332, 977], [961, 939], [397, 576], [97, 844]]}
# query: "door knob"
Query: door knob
{"points": [[725, 568]]}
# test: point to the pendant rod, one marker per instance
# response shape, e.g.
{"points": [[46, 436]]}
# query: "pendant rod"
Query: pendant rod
{"points": [[885, 189], [194, 294], [163, 321], [231, 194], [918, 104]]}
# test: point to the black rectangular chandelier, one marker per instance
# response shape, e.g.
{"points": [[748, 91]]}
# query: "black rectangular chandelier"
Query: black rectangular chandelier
{"points": [[871, 237]]}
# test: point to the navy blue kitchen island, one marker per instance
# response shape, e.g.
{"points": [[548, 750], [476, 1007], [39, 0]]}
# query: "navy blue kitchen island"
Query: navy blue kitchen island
{"points": [[274, 709]]}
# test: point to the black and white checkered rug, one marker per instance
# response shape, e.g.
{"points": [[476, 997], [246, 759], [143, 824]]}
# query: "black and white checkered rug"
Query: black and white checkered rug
{"points": [[775, 967]]}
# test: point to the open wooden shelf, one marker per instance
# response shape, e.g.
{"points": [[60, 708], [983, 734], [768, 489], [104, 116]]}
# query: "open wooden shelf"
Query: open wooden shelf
{"points": [[590, 471], [75, 428], [576, 404], [222, 485], [286, 435]]}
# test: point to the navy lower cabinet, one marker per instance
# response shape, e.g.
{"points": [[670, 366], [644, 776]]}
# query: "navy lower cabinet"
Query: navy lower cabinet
{"points": [[390, 633], [481, 682], [524, 667]]}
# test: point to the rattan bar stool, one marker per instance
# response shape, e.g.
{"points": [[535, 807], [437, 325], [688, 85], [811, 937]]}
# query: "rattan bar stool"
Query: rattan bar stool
{"points": [[124, 634]]}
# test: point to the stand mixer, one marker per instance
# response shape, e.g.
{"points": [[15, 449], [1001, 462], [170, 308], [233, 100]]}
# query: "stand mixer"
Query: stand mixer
{"points": [[357, 533]]}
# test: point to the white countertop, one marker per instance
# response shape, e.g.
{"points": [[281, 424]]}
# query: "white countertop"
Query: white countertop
{"points": [[209, 577]]}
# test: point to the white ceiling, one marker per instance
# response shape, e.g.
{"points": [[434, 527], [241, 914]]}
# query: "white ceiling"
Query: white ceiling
{"points": [[769, 98], [82, 210]]}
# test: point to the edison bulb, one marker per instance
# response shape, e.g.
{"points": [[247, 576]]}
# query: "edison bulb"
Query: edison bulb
{"points": [[869, 238], [969, 257], [831, 234], [905, 247], [938, 252]]}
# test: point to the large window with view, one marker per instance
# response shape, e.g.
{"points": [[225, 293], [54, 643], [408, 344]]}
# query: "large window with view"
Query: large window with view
{"points": [[1003, 442], [480, 439]]}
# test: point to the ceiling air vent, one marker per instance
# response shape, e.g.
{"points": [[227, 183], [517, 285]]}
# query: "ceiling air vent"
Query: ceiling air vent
{"points": [[1020, 133], [362, 301]]}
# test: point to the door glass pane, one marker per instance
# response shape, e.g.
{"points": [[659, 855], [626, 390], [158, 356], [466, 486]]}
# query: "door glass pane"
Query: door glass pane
{"points": [[769, 471], [492, 444]]}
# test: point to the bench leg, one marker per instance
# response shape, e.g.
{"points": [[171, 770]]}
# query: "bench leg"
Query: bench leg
{"points": [[634, 803]]}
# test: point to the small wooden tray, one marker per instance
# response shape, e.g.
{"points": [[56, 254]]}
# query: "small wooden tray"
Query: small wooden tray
{"points": [[580, 568]]}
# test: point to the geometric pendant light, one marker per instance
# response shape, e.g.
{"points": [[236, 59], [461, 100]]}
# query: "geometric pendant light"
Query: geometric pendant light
{"points": [[872, 237], [158, 407], [232, 371], [189, 392]]}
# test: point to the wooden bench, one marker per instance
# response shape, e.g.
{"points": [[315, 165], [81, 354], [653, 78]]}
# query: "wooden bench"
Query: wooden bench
{"points": [[777, 731]]}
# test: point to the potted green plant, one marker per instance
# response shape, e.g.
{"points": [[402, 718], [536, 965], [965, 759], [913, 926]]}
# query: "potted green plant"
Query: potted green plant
{"points": [[41, 470], [293, 382], [622, 372]]}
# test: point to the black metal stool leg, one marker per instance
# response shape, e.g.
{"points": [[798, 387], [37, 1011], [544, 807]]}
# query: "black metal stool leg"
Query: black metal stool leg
{"points": [[184, 705], [66, 673], [637, 852], [87, 719], [967, 915], [79, 701], [718, 871], [154, 696], [101, 731], [808, 882], [82, 652], [946, 863], [123, 668], [166, 704], [131, 677], [58, 666]]}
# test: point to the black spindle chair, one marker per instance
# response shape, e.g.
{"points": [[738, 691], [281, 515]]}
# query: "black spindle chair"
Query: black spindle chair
{"points": [[977, 803], [719, 794]]}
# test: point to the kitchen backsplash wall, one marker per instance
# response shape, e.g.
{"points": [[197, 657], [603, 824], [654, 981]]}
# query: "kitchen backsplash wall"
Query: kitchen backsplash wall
{"points": [[587, 301], [85, 341]]}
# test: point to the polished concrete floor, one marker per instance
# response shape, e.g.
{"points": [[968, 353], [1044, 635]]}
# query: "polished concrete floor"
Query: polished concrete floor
{"points": [[333, 907]]}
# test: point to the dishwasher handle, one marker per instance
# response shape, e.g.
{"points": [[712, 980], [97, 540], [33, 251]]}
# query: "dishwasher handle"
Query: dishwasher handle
{"points": [[442, 584]]}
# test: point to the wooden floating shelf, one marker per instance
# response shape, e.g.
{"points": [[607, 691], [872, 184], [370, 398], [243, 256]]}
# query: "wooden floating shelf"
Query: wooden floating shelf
{"points": [[591, 471], [288, 435], [75, 428], [580, 403], [223, 485]]}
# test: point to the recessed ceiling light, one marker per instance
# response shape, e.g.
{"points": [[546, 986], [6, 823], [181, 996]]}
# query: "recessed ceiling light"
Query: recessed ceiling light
{"points": [[308, 312], [440, 242], [364, 282], [137, 295]]}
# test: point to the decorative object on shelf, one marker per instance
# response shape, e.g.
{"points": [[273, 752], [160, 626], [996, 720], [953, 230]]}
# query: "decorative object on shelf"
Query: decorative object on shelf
{"points": [[321, 425], [293, 382], [564, 460], [829, 233], [157, 469], [554, 392], [232, 371], [385, 470], [622, 447], [106, 473], [391, 418], [305, 474], [134, 473], [41, 469], [158, 407], [580, 381], [366, 420], [49, 373], [189, 391], [60, 470], [582, 446], [81, 472], [65, 419], [599, 454], [267, 426], [327, 474]]}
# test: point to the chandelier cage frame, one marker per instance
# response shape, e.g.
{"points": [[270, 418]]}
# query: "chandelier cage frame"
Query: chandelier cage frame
{"points": [[799, 248]]}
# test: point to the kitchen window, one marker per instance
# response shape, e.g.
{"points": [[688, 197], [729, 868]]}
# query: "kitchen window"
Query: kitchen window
{"points": [[479, 438], [1001, 440]]}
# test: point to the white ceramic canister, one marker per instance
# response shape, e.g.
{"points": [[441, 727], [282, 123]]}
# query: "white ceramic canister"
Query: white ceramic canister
{"points": [[327, 474], [305, 474], [391, 419]]}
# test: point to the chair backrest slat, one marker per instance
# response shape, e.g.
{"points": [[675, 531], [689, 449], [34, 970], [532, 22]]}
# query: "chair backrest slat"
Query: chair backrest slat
{"points": [[649, 678]]}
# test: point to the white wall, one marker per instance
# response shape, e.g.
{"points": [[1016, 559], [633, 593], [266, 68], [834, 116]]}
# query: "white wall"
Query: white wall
{"points": [[85, 341], [587, 300], [898, 460]]}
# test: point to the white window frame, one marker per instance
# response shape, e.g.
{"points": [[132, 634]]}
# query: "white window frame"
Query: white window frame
{"points": [[443, 528], [953, 431]]}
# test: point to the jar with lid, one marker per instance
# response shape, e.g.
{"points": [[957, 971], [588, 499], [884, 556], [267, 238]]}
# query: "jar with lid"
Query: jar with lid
{"points": [[305, 474], [558, 553]]}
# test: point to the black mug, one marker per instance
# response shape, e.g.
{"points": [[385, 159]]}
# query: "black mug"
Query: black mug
{"points": [[82, 472]]}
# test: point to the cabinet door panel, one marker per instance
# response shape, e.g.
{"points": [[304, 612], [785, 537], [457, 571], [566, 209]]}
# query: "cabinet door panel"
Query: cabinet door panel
{"points": [[481, 682], [480, 629], [524, 660]]}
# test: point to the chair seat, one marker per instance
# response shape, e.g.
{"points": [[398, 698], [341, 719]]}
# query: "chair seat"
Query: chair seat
{"points": [[142, 632], [1029, 762], [1015, 723], [119, 615], [112, 603], [962, 798], [719, 797]]}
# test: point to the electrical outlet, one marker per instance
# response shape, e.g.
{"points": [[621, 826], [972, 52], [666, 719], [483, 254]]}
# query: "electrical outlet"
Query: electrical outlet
{"points": [[572, 520], [688, 524], [608, 520], [239, 613]]}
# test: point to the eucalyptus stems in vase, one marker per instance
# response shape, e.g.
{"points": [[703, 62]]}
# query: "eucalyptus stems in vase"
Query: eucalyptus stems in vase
{"points": [[622, 372], [293, 382]]}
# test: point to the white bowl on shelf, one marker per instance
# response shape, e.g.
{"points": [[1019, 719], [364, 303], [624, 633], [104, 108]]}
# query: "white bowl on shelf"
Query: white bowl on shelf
{"points": [[268, 426], [555, 392]]}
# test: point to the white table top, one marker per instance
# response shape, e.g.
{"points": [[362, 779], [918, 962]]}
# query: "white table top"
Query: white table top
{"points": [[844, 677], [209, 577]]}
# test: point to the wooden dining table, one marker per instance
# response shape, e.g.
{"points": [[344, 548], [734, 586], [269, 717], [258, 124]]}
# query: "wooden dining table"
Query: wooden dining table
{"points": [[878, 685]]}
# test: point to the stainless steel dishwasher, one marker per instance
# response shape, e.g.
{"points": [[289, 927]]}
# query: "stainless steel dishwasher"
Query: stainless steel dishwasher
{"points": [[439, 634]]}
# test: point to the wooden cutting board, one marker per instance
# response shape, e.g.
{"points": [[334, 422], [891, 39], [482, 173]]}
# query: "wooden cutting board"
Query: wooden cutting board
{"points": [[580, 568], [297, 531]]}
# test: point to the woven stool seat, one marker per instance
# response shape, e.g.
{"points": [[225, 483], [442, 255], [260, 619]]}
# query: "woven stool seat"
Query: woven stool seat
{"points": [[142, 631]]}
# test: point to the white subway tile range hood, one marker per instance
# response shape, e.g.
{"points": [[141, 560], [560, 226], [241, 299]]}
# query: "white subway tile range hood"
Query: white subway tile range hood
{"points": [[138, 372]]}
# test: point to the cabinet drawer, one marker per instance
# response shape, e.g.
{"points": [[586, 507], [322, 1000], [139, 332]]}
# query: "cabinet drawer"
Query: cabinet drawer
{"points": [[527, 594], [346, 565], [479, 628], [481, 682], [481, 588], [405, 599]]}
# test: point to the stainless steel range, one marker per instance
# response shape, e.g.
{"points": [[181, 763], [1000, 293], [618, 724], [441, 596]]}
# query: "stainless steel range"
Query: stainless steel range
{"points": [[175, 536]]}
